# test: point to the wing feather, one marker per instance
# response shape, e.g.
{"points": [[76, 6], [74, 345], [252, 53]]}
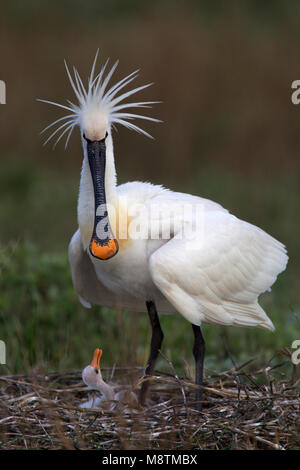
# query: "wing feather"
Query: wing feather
{"points": [[218, 277]]}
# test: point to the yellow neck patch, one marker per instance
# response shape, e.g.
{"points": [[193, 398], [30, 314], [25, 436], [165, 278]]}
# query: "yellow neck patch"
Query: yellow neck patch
{"points": [[119, 222]]}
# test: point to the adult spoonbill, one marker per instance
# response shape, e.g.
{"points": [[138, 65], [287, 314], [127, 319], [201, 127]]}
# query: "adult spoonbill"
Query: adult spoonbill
{"points": [[92, 377], [208, 265]]}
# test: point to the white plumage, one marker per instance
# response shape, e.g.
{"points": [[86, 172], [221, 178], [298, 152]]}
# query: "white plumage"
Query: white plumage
{"points": [[214, 276], [216, 279], [232, 264]]}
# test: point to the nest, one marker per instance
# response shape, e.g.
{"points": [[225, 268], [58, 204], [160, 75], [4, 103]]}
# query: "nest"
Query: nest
{"points": [[241, 410]]}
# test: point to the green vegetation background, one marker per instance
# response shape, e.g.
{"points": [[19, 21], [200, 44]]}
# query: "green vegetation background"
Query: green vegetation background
{"points": [[223, 71]]}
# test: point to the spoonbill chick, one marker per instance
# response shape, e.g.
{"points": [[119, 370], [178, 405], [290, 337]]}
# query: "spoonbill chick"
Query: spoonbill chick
{"points": [[92, 377]]}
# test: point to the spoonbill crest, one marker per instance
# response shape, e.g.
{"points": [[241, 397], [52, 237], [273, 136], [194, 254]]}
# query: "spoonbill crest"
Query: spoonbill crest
{"points": [[211, 274]]}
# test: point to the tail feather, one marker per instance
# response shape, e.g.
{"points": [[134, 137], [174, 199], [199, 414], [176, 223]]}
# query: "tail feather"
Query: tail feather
{"points": [[248, 315]]}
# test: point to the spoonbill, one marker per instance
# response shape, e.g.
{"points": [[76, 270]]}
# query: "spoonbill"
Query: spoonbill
{"points": [[92, 377], [178, 254]]}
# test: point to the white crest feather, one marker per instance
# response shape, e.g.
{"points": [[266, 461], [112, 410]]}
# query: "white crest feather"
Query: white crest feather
{"points": [[97, 97]]}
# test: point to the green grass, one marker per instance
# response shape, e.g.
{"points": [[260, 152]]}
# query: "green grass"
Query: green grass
{"points": [[45, 327]]}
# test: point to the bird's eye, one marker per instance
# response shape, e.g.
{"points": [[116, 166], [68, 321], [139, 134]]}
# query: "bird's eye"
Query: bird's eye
{"points": [[96, 370]]}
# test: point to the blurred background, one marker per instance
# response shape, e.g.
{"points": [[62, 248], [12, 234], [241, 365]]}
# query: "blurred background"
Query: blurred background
{"points": [[223, 71]]}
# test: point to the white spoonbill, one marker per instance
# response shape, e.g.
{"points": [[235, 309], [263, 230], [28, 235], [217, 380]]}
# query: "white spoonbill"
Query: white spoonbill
{"points": [[137, 247], [92, 377]]}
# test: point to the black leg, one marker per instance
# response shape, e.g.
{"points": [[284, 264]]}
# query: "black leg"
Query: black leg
{"points": [[156, 341], [199, 353]]}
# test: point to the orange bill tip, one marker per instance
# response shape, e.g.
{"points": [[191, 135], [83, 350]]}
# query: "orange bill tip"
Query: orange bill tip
{"points": [[104, 251], [96, 358]]}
